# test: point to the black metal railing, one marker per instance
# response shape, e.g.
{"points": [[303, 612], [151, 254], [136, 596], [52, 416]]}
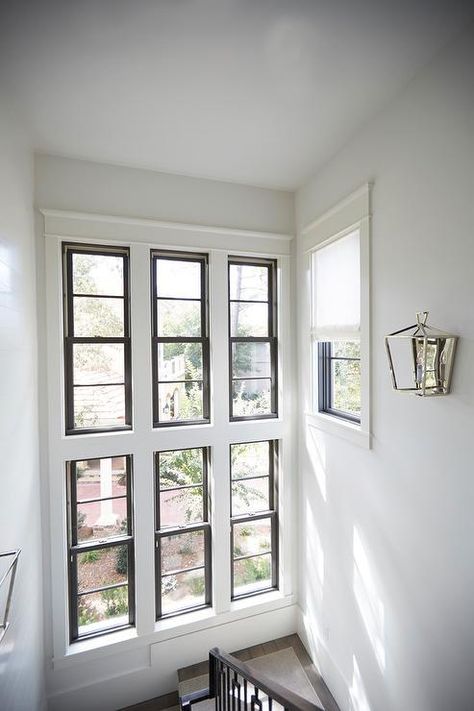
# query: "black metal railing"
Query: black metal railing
{"points": [[236, 687]]}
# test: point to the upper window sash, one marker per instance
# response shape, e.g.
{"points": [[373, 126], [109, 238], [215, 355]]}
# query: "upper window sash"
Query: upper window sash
{"points": [[97, 346], [180, 341], [253, 346]]}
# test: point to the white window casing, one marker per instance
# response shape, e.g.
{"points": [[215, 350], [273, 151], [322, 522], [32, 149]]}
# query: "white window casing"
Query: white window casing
{"points": [[339, 300], [142, 441]]}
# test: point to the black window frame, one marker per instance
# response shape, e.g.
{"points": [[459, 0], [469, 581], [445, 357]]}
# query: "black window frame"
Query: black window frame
{"points": [[68, 250], [271, 513], [203, 339], [271, 338], [325, 396], [165, 532], [75, 548]]}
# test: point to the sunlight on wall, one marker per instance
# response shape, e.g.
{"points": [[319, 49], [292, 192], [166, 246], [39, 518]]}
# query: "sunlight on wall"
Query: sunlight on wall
{"points": [[369, 602], [317, 454], [357, 692], [314, 554], [5, 271], [314, 635]]}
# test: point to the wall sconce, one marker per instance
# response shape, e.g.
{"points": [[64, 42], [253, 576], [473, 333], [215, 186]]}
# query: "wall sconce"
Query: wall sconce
{"points": [[421, 358], [10, 573]]}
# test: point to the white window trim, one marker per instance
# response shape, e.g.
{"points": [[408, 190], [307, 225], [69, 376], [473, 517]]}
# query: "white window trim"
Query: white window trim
{"points": [[351, 213], [143, 439]]}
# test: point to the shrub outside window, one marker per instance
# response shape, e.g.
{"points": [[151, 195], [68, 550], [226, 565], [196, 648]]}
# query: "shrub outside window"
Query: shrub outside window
{"points": [[254, 524], [183, 531]]}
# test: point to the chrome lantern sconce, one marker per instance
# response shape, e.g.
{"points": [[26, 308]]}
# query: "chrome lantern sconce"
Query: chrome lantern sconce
{"points": [[421, 358]]}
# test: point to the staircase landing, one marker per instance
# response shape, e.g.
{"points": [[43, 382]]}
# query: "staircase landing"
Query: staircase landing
{"points": [[285, 660]]}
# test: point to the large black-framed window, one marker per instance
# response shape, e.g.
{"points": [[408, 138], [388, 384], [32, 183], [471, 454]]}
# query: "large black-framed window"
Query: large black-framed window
{"points": [[254, 520], [253, 348], [97, 348], [183, 531], [180, 340], [101, 546], [339, 391]]}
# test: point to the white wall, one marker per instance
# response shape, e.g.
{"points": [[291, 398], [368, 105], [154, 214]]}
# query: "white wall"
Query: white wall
{"points": [[132, 669], [66, 184], [400, 633], [21, 651]]}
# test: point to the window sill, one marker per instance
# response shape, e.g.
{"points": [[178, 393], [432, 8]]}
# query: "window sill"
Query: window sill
{"points": [[202, 619], [94, 647], [340, 428], [88, 650]]}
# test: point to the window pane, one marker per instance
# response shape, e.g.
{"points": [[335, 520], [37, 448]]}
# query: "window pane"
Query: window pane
{"points": [[99, 406], [98, 363], [250, 496], [97, 478], [97, 274], [180, 401], [178, 279], [182, 591], [251, 360], [250, 459], [98, 317], [346, 386], [252, 574], [185, 550], [248, 319], [345, 349], [179, 318], [179, 361], [248, 282], [251, 397], [101, 519], [100, 567], [100, 610], [252, 538], [181, 467], [181, 506]]}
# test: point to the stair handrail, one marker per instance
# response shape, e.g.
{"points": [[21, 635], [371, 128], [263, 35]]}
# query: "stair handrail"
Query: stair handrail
{"points": [[290, 700]]}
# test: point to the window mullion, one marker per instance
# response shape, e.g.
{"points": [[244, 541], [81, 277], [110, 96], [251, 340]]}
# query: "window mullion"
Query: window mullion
{"points": [[142, 456], [219, 484]]}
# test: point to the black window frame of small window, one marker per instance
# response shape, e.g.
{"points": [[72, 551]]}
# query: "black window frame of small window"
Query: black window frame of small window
{"points": [[68, 250], [176, 256], [271, 514], [75, 548], [165, 532], [325, 398], [271, 338]]}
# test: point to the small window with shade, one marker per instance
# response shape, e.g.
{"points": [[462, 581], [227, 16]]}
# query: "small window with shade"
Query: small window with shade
{"points": [[336, 327]]}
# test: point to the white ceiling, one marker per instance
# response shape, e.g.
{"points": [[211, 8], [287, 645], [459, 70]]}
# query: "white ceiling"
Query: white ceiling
{"points": [[254, 91]]}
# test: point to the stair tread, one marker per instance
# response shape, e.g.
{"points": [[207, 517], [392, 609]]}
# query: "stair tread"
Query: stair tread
{"points": [[282, 666]]}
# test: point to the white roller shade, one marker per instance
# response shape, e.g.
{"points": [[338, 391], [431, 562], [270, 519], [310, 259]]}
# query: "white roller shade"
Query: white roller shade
{"points": [[336, 289]]}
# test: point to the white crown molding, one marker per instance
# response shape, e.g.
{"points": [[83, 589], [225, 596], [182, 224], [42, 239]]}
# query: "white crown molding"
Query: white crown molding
{"points": [[69, 225], [148, 222], [347, 213]]}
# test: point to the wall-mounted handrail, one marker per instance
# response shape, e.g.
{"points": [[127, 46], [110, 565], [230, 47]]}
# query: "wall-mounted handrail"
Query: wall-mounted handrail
{"points": [[10, 571], [232, 694]]}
